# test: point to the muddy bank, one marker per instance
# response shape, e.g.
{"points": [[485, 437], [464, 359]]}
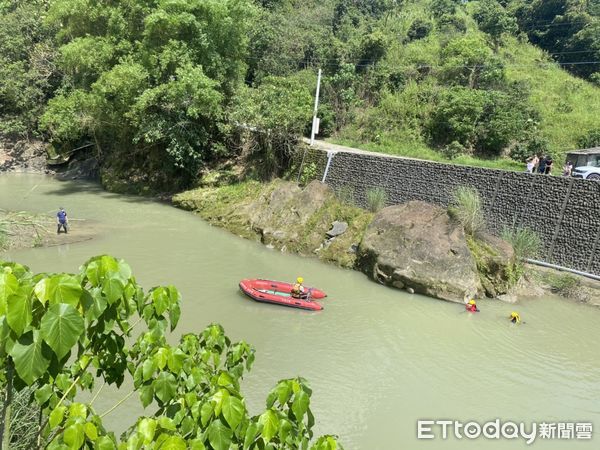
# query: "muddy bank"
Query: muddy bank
{"points": [[284, 217], [540, 281], [20, 230]]}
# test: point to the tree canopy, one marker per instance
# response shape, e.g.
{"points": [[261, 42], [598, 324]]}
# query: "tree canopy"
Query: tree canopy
{"points": [[162, 87], [62, 334]]}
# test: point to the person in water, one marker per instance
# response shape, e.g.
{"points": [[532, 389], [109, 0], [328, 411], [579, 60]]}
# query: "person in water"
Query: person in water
{"points": [[515, 317], [471, 306], [61, 220], [298, 290]]}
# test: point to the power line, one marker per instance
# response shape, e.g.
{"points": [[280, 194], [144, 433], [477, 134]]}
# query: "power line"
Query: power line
{"points": [[369, 63]]}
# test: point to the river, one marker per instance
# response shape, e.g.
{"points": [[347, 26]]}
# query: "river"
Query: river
{"points": [[377, 359]]}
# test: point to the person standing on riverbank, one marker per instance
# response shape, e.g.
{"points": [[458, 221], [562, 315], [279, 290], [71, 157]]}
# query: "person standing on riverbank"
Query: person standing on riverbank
{"points": [[61, 220]]}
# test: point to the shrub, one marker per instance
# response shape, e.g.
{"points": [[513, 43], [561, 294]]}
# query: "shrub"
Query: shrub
{"points": [[466, 209], [590, 139], [520, 152], [525, 242], [536, 145], [345, 194], [485, 121], [309, 173], [563, 284], [453, 149], [419, 29], [376, 199]]}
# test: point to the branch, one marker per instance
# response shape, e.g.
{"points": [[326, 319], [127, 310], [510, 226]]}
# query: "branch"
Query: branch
{"points": [[116, 405], [73, 384]]}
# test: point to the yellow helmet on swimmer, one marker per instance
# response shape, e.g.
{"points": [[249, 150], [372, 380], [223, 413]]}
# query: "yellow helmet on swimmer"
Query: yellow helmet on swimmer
{"points": [[300, 280], [515, 315], [472, 302]]}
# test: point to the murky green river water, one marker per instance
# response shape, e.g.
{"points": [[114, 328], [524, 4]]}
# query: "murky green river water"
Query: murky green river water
{"points": [[377, 359]]}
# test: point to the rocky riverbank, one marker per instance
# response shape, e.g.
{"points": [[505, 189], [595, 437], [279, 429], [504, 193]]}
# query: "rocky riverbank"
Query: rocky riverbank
{"points": [[415, 246], [27, 156], [284, 217], [30, 156]]}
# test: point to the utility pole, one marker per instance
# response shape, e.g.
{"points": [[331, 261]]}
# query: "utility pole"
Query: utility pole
{"points": [[315, 122]]}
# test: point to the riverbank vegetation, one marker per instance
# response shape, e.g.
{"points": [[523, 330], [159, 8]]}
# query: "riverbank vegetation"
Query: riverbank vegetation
{"points": [[22, 229], [63, 334], [283, 216], [164, 89]]}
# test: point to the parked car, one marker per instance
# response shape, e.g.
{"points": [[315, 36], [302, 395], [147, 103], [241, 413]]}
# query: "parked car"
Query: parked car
{"points": [[586, 163]]}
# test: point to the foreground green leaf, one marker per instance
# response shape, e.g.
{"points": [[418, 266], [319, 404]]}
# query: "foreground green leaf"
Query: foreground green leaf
{"points": [[29, 357], [61, 327]]}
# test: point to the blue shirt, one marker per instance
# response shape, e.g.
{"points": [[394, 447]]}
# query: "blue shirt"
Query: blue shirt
{"points": [[62, 216]]}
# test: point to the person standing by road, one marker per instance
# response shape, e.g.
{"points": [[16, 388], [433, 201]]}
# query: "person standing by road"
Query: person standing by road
{"points": [[549, 162], [542, 165], [568, 169], [535, 163], [530, 165]]}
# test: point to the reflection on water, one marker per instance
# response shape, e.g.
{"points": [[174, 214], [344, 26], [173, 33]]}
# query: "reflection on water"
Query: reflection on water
{"points": [[377, 359]]}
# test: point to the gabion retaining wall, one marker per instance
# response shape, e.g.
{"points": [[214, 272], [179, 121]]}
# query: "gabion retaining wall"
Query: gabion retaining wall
{"points": [[565, 212]]}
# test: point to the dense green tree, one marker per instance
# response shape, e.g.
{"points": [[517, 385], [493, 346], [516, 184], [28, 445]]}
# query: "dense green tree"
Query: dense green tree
{"points": [[441, 8], [468, 61], [292, 37], [28, 72], [277, 112], [569, 29], [484, 122], [149, 82], [419, 29], [494, 20]]}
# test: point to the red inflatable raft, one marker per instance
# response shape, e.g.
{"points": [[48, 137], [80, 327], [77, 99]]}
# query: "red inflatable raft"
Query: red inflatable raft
{"points": [[277, 292]]}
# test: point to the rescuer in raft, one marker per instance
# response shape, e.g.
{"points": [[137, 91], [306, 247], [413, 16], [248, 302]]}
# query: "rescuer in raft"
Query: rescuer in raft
{"points": [[515, 317], [298, 289], [471, 306]]}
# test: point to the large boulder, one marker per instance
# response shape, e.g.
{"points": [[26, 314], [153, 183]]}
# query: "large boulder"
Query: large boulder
{"points": [[417, 246], [279, 216]]}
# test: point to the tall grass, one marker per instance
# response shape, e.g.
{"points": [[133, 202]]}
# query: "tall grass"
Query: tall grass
{"points": [[3, 238], [466, 208], [422, 151], [525, 242], [345, 194], [376, 199], [24, 420]]}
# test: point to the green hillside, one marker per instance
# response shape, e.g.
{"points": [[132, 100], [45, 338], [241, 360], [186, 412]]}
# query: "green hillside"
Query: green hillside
{"points": [[565, 107], [568, 105], [164, 88]]}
